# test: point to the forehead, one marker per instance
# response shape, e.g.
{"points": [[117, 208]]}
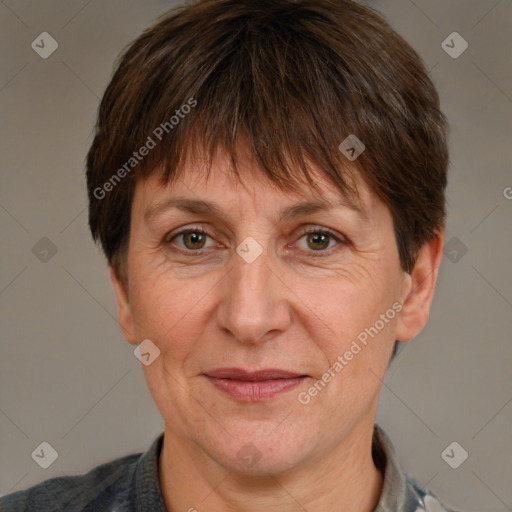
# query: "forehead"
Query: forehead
{"points": [[198, 187]]}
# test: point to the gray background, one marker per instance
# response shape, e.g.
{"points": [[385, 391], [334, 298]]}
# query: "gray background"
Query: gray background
{"points": [[67, 375]]}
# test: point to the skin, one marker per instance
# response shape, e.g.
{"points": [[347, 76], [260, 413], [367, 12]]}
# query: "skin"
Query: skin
{"points": [[287, 309]]}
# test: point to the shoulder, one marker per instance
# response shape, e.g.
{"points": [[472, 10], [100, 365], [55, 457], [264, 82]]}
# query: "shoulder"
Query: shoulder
{"points": [[400, 491], [102, 488], [426, 500]]}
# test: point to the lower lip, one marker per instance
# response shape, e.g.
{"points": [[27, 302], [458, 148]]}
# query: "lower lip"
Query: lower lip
{"points": [[260, 391]]}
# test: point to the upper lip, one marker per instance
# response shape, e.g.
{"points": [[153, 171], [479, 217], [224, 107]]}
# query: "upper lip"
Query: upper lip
{"points": [[259, 375]]}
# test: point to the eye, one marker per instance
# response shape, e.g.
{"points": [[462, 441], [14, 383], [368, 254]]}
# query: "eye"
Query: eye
{"points": [[318, 240], [193, 239]]}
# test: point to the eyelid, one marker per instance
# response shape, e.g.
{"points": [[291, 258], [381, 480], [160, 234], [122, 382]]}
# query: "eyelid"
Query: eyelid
{"points": [[191, 229], [339, 238]]}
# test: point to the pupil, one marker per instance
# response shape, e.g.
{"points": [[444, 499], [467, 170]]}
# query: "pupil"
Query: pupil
{"points": [[317, 238], [195, 238]]}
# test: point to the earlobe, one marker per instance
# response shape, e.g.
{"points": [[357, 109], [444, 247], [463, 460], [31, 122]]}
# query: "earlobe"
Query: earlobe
{"points": [[124, 314], [419, 292]]}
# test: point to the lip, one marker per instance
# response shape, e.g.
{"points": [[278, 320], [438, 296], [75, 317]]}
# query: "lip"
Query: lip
{"points": [[259, 375], [257, 386]]}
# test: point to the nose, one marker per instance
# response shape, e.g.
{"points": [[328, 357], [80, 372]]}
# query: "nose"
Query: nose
{"points": [[255, 305]]}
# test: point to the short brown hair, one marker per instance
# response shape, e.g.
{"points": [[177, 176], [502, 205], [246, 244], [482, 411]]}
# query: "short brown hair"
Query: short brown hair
{"points": [[294, 77]]}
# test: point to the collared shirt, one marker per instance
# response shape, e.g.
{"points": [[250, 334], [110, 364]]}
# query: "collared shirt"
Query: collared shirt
{"points": [[131, 484]]}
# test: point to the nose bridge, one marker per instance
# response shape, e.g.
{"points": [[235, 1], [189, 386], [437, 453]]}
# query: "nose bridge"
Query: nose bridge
{"points": [[252, 305]]}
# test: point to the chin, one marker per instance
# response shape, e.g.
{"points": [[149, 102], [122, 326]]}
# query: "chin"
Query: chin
{"points": [[261, 454], [265, 465]]}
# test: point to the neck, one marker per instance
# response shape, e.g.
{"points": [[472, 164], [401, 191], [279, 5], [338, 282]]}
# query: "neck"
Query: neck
{"points": [[344, 478]]}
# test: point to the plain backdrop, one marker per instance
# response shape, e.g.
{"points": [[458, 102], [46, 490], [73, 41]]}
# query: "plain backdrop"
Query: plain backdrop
{"points": [[68, 378]]}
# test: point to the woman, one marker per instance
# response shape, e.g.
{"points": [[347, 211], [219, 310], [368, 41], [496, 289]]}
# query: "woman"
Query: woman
{"points": [[267, 183]]}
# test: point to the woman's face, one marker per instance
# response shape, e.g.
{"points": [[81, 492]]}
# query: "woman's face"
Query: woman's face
{"points": [[254, 292]]}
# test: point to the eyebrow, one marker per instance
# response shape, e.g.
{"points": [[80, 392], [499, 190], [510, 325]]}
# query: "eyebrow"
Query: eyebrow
{"points": [[203, 207]]}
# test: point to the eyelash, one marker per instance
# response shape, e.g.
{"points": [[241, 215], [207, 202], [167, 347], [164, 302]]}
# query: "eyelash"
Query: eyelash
{"points": [[321, 253]]}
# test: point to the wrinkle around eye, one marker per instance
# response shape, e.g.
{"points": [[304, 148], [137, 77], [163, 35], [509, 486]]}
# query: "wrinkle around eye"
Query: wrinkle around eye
{"points": [[336, 242]]}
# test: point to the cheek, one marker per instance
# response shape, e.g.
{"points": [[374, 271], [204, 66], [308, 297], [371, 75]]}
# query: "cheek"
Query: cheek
{"points": [[360, 336], [348, 308], [168, 311]]}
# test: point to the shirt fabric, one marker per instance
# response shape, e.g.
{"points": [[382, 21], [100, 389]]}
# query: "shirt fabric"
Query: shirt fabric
{"points": [[131, 484]]}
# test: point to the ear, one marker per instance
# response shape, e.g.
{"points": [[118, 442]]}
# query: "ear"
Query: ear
{"points": [[420, 289], [124, 313]]}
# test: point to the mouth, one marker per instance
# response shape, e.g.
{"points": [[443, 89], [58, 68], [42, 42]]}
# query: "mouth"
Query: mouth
{"points": [[256, 386]]}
